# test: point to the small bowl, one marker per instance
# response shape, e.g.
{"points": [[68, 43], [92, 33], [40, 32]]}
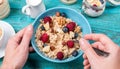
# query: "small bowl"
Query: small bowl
{"points": [[72, 14]]}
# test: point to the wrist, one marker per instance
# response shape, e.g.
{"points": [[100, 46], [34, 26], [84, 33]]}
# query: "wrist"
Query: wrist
{"points": [[8, 66]]}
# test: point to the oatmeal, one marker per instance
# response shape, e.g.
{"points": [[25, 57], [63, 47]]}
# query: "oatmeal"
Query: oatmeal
{"points": [[57, 36]]}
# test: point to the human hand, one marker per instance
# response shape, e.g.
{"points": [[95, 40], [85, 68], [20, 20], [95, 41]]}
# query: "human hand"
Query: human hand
{"points": [[105, 44], [17, 49]]}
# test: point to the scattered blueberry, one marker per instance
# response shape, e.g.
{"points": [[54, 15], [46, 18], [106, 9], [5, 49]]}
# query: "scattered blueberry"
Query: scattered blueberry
{"points": [[42, 27], [63, 14], [75, 35], [102, 1], [65, 29], [75, 53]]}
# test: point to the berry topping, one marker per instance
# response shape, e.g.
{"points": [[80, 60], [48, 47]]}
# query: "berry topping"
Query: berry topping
{"points": [[94, 5], [42, 27], [44, 38], [65, 29], [71, 26], [70, 43], [75, 53], [47, 19], [75, 35], [102, 1], [63, 14], [57, 14], [60, 55]]}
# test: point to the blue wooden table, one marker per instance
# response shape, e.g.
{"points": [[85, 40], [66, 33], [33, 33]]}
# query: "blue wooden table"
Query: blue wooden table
{"points": [[108, 23]]}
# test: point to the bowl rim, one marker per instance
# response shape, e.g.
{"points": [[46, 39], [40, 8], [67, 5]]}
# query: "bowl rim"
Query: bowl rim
{"points": [[53, 60]]}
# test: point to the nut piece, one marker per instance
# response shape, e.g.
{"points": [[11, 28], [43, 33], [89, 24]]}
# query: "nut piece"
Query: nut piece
{"points": [[77, 29], [57, 14], [52, 48], [47, 27], [61, 20], [46, 49]]}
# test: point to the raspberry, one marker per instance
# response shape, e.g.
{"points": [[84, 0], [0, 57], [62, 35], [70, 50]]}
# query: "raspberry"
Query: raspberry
{"points": [[44, 38], [94, 5], [71, 26], [60, 55], [70, 44], [47, 19]]}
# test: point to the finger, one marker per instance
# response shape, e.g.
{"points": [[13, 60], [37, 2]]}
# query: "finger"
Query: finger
{"points": [[31, 49], [17, 37], [87, 66], [84, 56], [99, 37], [15, 40], [85, 62], [99, 46], [26, 37], [88, 50]]}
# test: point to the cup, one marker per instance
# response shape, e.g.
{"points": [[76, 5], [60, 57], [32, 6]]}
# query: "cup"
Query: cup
{"points": [[6, 31], [1, 36], [93, 8], [4, 8], [68, 1], [33, 8]]}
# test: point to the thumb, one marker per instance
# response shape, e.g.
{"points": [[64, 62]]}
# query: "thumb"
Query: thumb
{"points": [[88, 50]]}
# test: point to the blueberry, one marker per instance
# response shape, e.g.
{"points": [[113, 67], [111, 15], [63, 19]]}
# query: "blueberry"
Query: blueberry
{"points": [[75, 35], [63, 14], [76, 41], [44, 45], [42, 27], [75, 53], [102, 1], [65, 29]]}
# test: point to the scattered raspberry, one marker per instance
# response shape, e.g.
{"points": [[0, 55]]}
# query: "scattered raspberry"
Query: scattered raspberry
{"points": [[44, 38], [70, 44], [47, 19], [71, 26], [60, 55]]}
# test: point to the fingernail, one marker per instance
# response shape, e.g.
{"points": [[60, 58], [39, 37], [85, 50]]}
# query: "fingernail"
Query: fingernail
{"points": [[30, 27], [81, 41]]}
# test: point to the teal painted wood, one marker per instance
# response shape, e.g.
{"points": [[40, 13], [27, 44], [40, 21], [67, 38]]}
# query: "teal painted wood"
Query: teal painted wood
{"points": [[108, 23]]}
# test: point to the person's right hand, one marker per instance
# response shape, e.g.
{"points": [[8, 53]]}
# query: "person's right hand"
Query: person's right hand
{"points": [[102, 42]]}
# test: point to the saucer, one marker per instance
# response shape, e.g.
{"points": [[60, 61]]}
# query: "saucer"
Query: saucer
{"points": [[9, 32]]}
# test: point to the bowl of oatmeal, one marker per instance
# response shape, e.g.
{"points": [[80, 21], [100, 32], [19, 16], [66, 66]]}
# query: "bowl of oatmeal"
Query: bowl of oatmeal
{"points": [[57, 32]]}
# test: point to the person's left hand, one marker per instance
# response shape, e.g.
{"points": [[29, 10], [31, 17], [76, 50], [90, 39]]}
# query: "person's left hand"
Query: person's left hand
{"points": [[17, 49]]}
